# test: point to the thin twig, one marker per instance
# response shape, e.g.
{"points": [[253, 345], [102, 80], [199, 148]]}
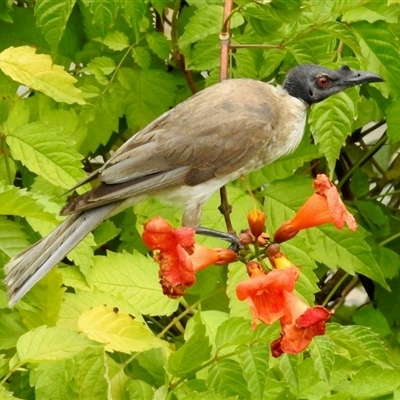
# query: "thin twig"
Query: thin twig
{"points": [[175, 48], [255, 46]]}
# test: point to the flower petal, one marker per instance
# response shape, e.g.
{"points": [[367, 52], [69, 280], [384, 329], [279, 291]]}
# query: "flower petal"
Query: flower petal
{"points": [[203, 257], [324, 206], [158, 234], [299, 325], [265, 293], [176, 271], [278, 279]]}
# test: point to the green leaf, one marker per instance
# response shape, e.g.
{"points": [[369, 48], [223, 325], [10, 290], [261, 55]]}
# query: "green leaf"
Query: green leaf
{"points": [[11, 328], [134, 12], [116, 379], [136, 278], [237, 273], [385, 300], [191, 355], [102, 120], [44, 375], [380, 49], [118, 331], [100, 67], [331, 122], [373, 318], [373, 382], [322, 353], [5, 8], [262, 19], [206, 21], [50, 344], [116, 41], [387, 259], [346, 249], [47, 153], [103, 17], [7, 167], [141, 56], [272, 59], [67, 121], [154, 363], [342, 32], [371, 12], [44, 300], [289, 365], [38, 72], [158, 44], [254, 361], [248, 63], [151, 92], [75, 304], [52, 18], [360, 341], [14, 201], [138, 389], [233, 332], [302, 52], [105, 232], [226, 376], [12, 238], [275, 389], [205, 55], [212, 320], [393, 121], [373, 213]]}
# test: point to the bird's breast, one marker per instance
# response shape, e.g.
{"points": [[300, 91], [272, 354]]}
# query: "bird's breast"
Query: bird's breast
{"points": [[289, 130]]}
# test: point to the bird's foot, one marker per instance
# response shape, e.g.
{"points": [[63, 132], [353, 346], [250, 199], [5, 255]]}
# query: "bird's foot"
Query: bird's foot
{"points": [[229, 237]]}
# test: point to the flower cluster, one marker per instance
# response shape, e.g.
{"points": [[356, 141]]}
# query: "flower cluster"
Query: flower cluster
{"points": [[271, 298], [270, 295], [179, 256]]}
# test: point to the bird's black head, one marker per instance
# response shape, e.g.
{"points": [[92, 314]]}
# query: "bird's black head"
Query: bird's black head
{"points": [[313, 83]]}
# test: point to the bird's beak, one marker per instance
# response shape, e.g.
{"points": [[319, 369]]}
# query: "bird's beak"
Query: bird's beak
{"points": [[360, 77]]}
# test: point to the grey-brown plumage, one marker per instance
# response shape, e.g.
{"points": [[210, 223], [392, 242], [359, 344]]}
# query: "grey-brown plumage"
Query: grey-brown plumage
{"points": [[184, 156]]}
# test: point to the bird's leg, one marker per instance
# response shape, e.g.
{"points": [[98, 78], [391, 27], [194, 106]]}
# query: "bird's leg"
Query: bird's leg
{"points": [[229, 237]]}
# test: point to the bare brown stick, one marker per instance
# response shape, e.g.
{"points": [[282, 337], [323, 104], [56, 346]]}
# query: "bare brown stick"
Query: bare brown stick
{"points": [[225, 208], [225, 40]]}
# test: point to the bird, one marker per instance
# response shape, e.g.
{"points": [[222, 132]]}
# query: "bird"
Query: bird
{"points": [[215, 136]]}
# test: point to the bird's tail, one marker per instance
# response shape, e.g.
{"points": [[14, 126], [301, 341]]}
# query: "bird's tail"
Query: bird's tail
{"points": [[29, 266]]}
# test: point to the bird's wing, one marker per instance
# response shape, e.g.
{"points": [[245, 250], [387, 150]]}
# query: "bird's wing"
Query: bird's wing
{"points": [[214, 133]]}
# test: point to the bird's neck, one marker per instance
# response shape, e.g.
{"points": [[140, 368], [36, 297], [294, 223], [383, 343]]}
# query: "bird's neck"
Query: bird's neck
{"points": [[297, 90]]}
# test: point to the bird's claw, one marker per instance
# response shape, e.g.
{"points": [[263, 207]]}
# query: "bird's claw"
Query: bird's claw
{"points": [[229, 237]]}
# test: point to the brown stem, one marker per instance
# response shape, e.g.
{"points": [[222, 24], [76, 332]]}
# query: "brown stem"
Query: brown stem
{"points": [[175, 48], [225, 208], [225, 40]]}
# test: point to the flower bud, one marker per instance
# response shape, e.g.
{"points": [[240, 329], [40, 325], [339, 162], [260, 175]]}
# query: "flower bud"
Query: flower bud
{"points": [[246, 237], [256, 220], [285, 232], [263, 239]]}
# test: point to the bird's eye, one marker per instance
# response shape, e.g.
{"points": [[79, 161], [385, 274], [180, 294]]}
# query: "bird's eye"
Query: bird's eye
{"points": [[323, 82]]}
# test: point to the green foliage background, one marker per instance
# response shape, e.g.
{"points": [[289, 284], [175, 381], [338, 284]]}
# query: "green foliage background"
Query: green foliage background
{"points": [[95, 72]]}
